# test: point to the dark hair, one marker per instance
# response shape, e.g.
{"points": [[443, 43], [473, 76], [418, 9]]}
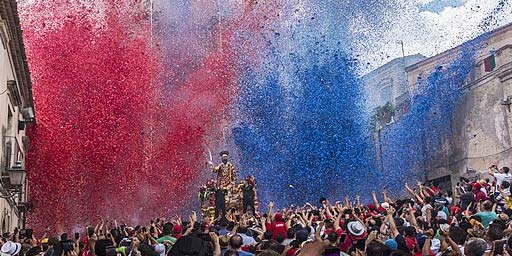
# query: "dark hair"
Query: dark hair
{"points": [[231, 252], [505, 169], [52, 241], [505, 184], [495, 233], [290, 232], [332, 237], [476, 217], [476, 246], [399, 253], [223, 222], [147, 250], [267, 235], [236, 242], [399, 222], [487, 205], [410, 231], [458, 235], [242, 230], [279, 238], [509, 242], [377, 249], [34, 251], [464, 225], [268, 253], [230, 226], [167, 229]]}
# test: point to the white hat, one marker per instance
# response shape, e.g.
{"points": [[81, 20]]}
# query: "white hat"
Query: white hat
{"points": [[355, 228], [384, 205], [11, 248], [160, 249]]}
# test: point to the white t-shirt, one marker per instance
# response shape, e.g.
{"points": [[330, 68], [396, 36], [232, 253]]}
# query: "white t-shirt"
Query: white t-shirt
{"points": [[500, 177], [424, 210]]}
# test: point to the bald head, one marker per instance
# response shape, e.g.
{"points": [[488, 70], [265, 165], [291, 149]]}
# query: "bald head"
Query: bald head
{"points": [[235, 242]]}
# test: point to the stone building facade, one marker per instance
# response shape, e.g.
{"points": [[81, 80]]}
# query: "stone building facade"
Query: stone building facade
{"points": [[16, 114], [386, 90], [481, 124]]}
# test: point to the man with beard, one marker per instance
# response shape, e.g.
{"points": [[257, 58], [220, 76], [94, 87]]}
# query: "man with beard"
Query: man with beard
{"points": [[226, 174]]}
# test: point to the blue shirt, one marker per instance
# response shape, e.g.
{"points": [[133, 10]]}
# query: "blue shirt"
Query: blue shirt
{"points": [[242, 253], [487, 217]]}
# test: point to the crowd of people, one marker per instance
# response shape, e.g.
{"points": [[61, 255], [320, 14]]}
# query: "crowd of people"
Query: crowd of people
{"points": [[473, 220]]}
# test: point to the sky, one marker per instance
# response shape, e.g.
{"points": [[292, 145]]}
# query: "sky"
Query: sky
{"points": [[428, 27]]}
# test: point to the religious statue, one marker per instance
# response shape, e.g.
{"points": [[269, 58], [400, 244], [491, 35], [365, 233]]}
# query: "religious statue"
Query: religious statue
{"points": [[226, 178], [226, 174]]}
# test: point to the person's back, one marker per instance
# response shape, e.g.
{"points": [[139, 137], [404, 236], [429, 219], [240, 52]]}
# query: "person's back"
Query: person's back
{"points": [[480, 196], [487, 215], [467, 198], [246, 240], [278, 227], [504, 176]]}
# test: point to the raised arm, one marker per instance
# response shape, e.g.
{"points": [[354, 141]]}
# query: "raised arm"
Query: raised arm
{"points": [[392, 225], [410, 217], [327, 207], [270, 212], [375, 200], [317, 231], [491, 169], [336, 223], [447, 239], [386, 197], [418, 198], [216, 243]]}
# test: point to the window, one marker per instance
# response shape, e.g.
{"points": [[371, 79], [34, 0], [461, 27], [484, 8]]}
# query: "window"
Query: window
{"points": [[386, 92]]}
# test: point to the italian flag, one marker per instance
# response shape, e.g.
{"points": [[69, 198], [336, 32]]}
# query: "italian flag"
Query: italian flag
{"points": [[490, 63]]}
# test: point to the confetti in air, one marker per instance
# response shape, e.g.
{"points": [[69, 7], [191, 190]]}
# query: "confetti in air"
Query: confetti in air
{"points": [[134, 97]]}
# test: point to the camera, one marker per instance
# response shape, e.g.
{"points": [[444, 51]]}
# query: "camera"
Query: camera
{"points": [[26, 233], [67, 246]]}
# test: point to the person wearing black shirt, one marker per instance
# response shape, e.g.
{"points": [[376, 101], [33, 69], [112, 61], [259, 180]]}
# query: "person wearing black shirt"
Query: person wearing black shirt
{"points": [[248, 195]]}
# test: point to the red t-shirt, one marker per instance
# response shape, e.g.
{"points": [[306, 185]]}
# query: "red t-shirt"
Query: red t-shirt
{"points": [[480, 196], [277, 227], [292, 252]]}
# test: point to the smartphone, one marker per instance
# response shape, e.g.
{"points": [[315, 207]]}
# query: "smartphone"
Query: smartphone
{"points": [[499, 245], [29, 233], [23, 233], [77, 236], [90, 231]]}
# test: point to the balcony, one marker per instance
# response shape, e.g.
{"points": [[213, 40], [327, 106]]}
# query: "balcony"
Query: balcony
{"points": [[13, 173]]}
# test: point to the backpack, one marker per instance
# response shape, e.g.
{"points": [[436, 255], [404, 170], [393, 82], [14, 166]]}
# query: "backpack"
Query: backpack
{"points": [[190, 246]]}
